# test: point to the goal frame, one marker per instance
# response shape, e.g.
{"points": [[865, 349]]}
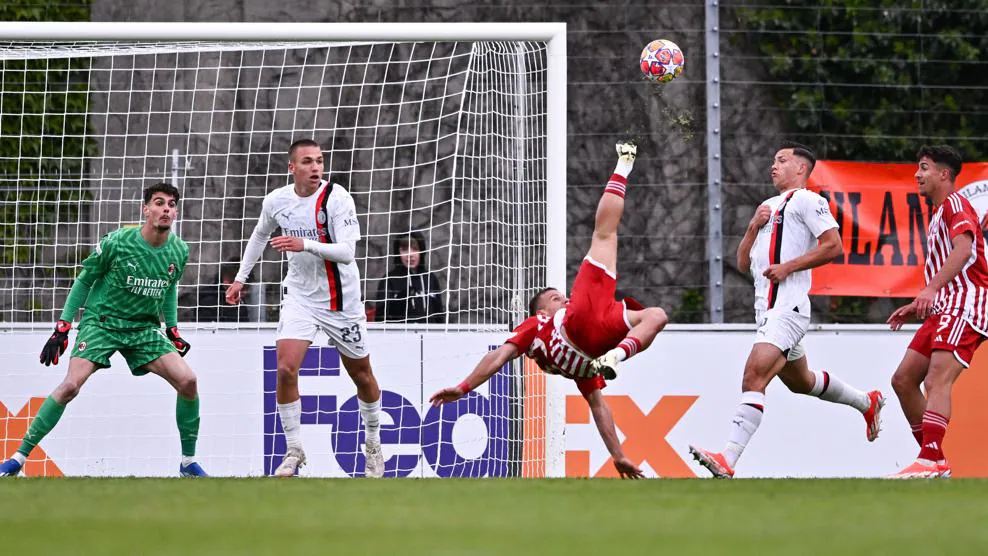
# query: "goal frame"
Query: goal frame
{"points": [[553, 34]]}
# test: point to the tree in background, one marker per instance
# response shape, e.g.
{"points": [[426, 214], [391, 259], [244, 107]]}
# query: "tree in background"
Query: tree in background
{"points": [[870, 81], [44, 146]]}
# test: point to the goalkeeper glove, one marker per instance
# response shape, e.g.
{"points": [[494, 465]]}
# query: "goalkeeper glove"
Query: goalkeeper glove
{"points": [[181, 345], [56, 344]]}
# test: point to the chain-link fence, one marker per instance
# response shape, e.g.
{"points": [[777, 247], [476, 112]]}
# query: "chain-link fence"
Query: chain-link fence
{"points": [[855, 80]]}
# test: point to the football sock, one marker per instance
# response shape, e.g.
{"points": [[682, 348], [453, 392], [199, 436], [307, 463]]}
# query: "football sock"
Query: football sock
{"points": [[745, 423], [934, 429], [616, 185], [187, 417], [291, 422], [829, 388], [918, 433], [42, 424], [371, 414], [623, 168], [627, 348]]}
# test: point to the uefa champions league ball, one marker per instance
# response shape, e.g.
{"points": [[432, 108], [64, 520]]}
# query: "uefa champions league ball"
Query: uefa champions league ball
{"points": [[662, 61]]}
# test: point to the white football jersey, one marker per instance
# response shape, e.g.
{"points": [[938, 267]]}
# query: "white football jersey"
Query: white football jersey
{"points": [[799, 218], [326, 216]]}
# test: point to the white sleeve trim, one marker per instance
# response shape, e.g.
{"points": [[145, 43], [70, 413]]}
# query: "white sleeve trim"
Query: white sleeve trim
{"points": [[336, 252]]}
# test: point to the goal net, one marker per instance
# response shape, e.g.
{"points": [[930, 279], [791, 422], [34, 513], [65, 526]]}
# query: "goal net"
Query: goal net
{"points": [[444, 145]]}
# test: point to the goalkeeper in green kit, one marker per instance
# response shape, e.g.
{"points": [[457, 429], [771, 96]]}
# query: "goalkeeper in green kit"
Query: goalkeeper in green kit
{"points": [[126, 284]]}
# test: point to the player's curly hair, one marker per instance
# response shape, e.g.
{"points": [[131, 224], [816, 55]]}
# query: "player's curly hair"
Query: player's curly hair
{"points": [[536, 302], [299, 144], [166, 188], [944, 155], [802, 151]]}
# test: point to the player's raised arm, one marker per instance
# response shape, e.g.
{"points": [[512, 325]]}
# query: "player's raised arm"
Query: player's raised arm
{"points": [[485, 369], [605, 425], [266, 224]]}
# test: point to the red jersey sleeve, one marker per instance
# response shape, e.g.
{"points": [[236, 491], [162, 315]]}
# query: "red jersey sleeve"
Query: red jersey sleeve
{"points": [[960, 218], [590, 385], [523, 336]]}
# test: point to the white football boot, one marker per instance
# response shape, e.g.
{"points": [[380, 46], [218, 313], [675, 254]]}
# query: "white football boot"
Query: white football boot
{"points": [[294, 460], [606, 365], [374, 457], [627, 151]]}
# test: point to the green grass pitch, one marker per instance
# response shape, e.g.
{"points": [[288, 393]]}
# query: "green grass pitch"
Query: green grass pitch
{"points": [[503, 517]]}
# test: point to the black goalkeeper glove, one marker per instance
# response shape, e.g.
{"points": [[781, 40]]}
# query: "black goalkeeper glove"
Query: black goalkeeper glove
{"points": [[57, 343], [181, 345]]}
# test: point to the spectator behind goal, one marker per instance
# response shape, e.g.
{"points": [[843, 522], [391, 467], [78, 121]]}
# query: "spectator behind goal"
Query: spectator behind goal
{"points": [[410, 293]]}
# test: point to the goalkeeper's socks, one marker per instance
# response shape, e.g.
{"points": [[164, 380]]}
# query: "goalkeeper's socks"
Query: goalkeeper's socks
{"points": [[187, 419], [370, 412], [744, 425], [291, 422], [19, 458], [188, 460], [42, 424]]}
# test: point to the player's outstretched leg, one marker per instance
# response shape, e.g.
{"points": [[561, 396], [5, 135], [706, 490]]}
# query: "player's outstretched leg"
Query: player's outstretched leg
{"points": [[764, 362], [369, 401], [290, 355], [603, 243], [645, 325], [49, 414], [798, 377]]}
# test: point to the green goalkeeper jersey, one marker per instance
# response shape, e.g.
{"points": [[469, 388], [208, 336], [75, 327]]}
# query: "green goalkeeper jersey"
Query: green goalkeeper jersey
{"points": [[127, 284]]}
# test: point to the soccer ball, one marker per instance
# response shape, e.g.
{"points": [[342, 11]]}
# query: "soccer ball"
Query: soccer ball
{"points": [[662, 61]]}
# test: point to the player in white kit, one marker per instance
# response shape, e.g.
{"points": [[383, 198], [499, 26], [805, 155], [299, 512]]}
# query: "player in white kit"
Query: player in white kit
{"points": [[790, 234], [321, 293]]}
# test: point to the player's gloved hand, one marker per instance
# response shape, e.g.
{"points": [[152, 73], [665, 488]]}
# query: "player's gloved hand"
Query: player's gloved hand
{"points": [[181, 345], [57, 343]]}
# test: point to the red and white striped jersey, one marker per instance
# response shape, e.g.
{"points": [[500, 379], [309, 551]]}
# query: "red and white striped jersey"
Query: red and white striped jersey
{"points": [[539, 338], [966, 296], [326, 216]]}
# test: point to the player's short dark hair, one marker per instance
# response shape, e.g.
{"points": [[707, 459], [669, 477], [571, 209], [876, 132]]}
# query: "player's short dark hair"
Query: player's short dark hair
{"points": [[536, 302], [944, 155], [801, 151], [166, 188], [299, 144]]}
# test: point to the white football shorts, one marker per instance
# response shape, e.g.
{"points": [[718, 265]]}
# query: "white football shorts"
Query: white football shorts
{"points": [[301, 322], [784, 329]]}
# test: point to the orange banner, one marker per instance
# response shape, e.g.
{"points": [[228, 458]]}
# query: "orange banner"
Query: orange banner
{"points": [[883, 222]]}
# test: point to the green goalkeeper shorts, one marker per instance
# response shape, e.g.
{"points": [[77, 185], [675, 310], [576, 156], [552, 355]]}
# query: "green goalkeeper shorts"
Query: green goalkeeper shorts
{"points": [[139, 347]]}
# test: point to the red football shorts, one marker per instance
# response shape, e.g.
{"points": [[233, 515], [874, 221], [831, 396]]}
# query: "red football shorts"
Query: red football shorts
{"points": [[947, 333], [595, 323]]}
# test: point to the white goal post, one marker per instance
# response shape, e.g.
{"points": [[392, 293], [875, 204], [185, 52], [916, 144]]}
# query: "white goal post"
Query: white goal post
{"points": [[454, 134]]}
